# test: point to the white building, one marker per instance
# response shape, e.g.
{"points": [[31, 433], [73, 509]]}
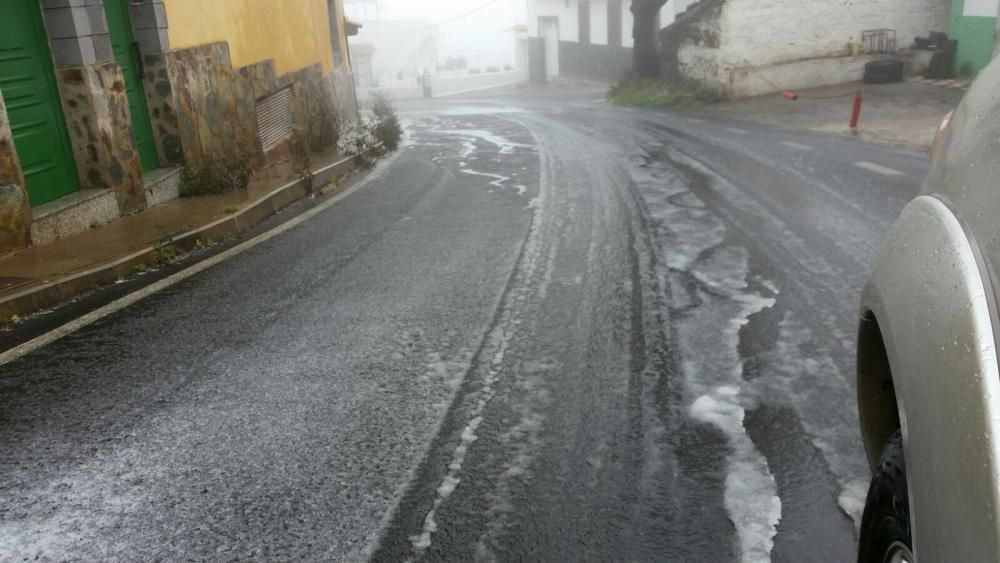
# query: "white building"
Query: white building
{"points": [[585, 38]]}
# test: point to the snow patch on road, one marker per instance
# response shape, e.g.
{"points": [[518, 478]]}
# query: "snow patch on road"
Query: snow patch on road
{"points": [[751, 494], [498, 180], [532, 275], [506, 146], [710, 281], [803, 374]]}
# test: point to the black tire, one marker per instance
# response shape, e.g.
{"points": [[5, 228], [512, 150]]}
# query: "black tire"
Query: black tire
{"points": [[884, 66], [886, 521], [881, 78], [883, 71]]}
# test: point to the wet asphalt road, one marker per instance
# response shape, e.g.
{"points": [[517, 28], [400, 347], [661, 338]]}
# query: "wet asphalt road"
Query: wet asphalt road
{"points": [[549, 329]]}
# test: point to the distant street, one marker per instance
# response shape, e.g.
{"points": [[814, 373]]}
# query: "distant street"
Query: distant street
{"points": [[549, 330]]}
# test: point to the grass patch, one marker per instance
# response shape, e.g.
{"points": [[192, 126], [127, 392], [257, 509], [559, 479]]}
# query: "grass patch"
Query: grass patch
{"points": [[232, 209], [203, 243], [165, 254], [658, 94]]}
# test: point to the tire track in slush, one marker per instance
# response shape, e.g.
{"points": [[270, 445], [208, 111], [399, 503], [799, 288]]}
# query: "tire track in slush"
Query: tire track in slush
{"points": [[708, 319]]}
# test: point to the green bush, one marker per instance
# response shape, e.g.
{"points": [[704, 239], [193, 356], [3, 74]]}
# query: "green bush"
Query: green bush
{"points": [[653, 93], [385, 123], [216, 174], [165, 254]]}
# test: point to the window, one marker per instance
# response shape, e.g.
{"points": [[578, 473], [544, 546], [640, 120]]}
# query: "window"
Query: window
{"points": [[584, 7], [615, 23]]}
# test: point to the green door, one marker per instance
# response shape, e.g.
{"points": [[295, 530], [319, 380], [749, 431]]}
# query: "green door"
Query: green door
{"points": [[28, 87], [123, 44]]}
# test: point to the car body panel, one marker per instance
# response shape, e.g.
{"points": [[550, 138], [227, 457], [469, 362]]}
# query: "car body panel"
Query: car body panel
{"points": [[965, 172], [930, 300]]}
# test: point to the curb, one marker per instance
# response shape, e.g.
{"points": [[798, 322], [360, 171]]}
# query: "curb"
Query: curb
{"points": [[52, 293]]}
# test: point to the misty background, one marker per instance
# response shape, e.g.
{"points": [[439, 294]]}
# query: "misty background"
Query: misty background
{"points": [[480, 30]]}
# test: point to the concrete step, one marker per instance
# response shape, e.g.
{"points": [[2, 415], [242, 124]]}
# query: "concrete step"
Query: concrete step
{"points": [[72, 214], [161, 185]]}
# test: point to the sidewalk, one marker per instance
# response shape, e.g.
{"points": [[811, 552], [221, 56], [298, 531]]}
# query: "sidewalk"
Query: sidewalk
{"points": [[41, 277], [905, 114]]}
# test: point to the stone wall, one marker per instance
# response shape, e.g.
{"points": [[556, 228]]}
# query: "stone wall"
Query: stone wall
{"points": [[95, 105], [214, 104], [162, 105], [15, 211], [203, 107], [689, 47], [718, 41]]}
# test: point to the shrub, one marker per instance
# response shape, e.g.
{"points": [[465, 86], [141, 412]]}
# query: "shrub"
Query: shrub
{"points": [[385, 123], [165, 254], [360, 141], [656, 93], [320, 123], [216, 174]]}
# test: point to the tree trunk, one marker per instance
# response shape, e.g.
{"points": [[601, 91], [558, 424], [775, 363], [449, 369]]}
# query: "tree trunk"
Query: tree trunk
{"points": [[646, 52]]}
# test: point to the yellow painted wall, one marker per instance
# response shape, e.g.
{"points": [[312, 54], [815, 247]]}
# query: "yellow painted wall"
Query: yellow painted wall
{"points": [[295, 33], [341, 26]]}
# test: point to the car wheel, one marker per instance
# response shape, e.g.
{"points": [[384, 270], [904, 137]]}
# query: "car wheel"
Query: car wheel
{"points": [[885, 526], [881, 78], [883, 71], [885, 66]]}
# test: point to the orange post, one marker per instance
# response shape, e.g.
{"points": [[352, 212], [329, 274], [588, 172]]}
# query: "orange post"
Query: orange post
{"points": [[856, 113]]}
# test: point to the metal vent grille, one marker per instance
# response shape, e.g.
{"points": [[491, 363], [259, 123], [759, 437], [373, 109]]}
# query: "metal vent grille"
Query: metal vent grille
{"points": [[275, 117]]}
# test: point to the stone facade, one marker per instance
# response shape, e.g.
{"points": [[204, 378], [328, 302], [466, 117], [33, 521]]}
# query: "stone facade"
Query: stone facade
{"points": [[720, 43], [96, 109], [200, 106], [213, 103], [162, 110], [203, 107], [15, 211], [689, 46]]}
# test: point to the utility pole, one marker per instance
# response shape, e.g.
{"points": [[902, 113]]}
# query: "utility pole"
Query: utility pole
{"points": [[645, 31]]}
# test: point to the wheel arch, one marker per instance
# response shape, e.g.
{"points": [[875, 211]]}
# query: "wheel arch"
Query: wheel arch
{"points": [[878, 408], [927, 362]]}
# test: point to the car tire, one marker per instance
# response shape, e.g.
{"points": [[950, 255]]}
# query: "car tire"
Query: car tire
{"points": [[883, 71], [885, 526], [882, 78], [884, 66]]}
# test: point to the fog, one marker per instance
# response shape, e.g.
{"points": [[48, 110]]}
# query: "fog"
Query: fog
{"points": [[480, 30]]}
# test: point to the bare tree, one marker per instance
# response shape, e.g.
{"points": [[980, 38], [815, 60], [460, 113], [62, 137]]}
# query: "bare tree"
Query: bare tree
{"points": [[645, 54]]}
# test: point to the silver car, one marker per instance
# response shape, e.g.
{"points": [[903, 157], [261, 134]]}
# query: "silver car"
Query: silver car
{"points": [[928, 384]]}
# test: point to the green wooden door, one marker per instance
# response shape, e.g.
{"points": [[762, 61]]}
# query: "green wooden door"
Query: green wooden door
{"points": [[28, 87], [123, 45]]}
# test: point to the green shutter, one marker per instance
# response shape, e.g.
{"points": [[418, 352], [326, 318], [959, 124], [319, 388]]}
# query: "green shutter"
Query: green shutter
{"points": [[123, 45], [28, 86]]}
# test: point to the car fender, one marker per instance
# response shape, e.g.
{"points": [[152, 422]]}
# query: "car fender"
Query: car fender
{"points": [[931, 304]]}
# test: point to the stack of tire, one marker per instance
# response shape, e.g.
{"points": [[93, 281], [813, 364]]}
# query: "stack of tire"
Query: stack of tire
{"points": [[884, 71]]}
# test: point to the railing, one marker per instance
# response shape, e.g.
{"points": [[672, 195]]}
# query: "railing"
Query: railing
{"points": [[879, 40]]}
